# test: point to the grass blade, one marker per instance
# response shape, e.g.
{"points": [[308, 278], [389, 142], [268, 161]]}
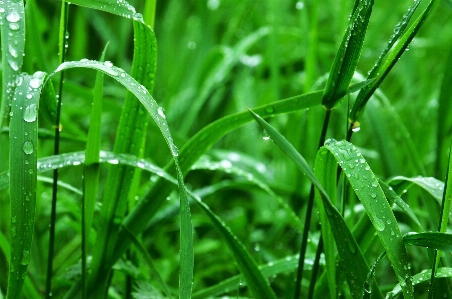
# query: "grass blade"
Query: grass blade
{"points": [[120, 8], [366, 187], [23, 155], [13, 43], [347, 57], [348, 249], [436, 240], [388, 64]]}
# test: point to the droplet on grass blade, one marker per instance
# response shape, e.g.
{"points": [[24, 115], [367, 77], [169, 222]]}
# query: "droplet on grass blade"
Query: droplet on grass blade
{"points": [[28, 147], [13, 17], [30, 113]]}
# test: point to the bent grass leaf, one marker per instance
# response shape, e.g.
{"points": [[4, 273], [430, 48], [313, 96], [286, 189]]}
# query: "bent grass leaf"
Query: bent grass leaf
{"points": [[423, 276], [121, 8], [369, 192], [23, 176], [347, 57], [13, 42], [349, 251], [432, 185], [436, 240]]}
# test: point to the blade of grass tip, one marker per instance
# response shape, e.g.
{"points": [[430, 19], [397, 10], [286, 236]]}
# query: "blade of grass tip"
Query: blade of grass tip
{"points": [[388, 64], [257, 284], [436, 240], [443, 221], [23, 155], [91, 169], [369, 192], [347, 57], [56, 149], [348, 249], [13, 44]]}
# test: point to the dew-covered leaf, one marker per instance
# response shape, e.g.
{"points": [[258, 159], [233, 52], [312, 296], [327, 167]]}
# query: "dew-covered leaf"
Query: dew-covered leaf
{"points": [[435, 240]]}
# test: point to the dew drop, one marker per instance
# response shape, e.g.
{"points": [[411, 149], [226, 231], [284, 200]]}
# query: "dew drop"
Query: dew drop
{"points": [[108, 63], [36, 81], [25, 257], [30, 113], [14, 219], [12, 51], [14, 26], [161, 112], [13, 64], [174, 150], [13, 17], [28, 147], [379, 224], [265, 135]]}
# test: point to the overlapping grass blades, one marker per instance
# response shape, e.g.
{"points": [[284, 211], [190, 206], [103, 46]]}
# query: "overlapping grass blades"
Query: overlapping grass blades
{"points": [[371, 196], [23, 155], [347, 57], [384, 65], [13, 43]]}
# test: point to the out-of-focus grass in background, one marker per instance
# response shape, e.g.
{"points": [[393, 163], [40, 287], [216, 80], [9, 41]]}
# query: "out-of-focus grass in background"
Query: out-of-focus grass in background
{"points": [[215, 58]]}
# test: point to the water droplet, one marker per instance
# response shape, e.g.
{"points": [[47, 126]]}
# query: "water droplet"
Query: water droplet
{"points": [[13, 64], [36, 81], [14, 219], [30, 113], [113, 161], [14, 26], [30, 171], [226, 164], [12, 51], [299, 5], [108, 63], [174, 150], [13, 17], [379, 224], [28, 147], [270, 110], [25, 257], [161, 112]]}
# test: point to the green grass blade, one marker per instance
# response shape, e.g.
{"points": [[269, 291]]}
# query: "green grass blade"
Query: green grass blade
{"points": [[23, 155], [13, 43], [286, 265], [91, 169], [348, 249], [436, 240], [421, 277], [257, 284], [121, 8], [347, 57], [366, 187], [388, 64], [432, 185], [326, 172]]}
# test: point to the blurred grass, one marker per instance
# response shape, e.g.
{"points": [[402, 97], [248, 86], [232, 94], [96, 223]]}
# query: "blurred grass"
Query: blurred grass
{"points": [[279, 65]]}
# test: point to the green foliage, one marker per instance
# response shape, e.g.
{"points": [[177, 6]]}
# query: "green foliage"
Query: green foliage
{"points": [[224, 215]]}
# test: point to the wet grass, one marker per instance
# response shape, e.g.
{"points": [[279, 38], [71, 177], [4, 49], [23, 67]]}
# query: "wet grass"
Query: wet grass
{"points": [[225, 148]]}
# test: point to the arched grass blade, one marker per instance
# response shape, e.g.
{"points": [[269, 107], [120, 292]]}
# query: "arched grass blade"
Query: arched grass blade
{"points": [[347, 57], [366, 187], [349, 250], [286, 265], [13, 43], [421, 277], [23, 155], [432, 185], [436, 240]]}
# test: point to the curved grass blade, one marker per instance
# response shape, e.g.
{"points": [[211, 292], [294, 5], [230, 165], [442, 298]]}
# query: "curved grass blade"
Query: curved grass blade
{"points": [[257, 284], [388, 64], [436, 240], [349, 250], [23, 155], [432, 185], [13, 43], [347, 57], [286, 265], [366, 187], [423, 276]]}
